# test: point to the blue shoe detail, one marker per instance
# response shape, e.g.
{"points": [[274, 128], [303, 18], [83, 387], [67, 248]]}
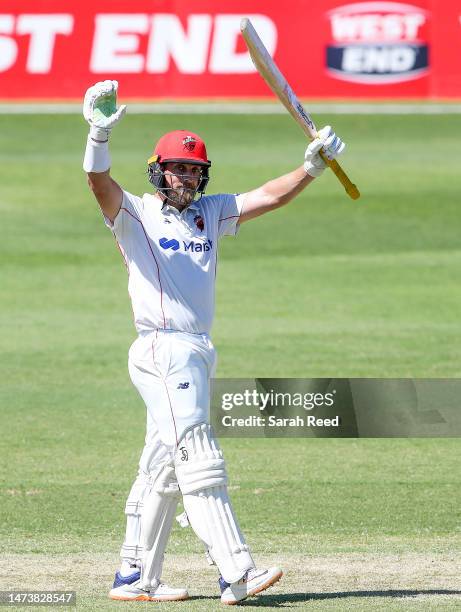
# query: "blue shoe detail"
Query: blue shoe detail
{"points": [[223, 584], [121, 580]]}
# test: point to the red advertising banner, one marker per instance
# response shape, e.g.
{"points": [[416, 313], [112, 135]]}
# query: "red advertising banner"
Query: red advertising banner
{"points": [[176, 49]]}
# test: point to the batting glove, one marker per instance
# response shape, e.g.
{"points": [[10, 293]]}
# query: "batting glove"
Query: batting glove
{"points": [[100, 109], [331, 146]]}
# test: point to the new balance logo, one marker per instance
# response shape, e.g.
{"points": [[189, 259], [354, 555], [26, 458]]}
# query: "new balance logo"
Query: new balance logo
{"points": [[165, 243], [197, 247], [184, 385]]}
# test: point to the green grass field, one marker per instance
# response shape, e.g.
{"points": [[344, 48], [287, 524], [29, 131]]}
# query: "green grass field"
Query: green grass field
{"points": [[324, 287]]}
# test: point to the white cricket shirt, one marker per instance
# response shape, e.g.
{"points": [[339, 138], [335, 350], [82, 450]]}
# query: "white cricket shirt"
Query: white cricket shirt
{"points": [[171, 258]]}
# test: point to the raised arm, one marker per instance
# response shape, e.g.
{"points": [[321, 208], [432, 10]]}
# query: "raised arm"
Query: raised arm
{"points": [[100, 110], [280, 191]]}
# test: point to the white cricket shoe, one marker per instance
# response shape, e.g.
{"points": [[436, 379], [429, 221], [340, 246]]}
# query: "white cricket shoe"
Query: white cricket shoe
{"points": [[133, 592], [254, 581]]}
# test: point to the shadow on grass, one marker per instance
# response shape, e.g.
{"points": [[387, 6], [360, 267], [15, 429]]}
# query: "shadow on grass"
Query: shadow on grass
{"points": [[278, 600]]}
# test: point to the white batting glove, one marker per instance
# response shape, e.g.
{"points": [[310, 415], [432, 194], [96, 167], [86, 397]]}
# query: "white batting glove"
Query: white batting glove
{"points": [[331, 145], [100, 109]]}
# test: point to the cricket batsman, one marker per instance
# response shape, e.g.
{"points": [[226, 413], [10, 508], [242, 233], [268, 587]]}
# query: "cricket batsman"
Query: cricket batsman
{"points": [[169, 241]]}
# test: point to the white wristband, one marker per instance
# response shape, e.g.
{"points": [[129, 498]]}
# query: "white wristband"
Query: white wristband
{"points": [[97, 156]]}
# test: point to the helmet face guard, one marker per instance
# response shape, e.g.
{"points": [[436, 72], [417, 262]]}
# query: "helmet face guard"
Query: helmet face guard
{"points": [[156, 175], [179, 146]]}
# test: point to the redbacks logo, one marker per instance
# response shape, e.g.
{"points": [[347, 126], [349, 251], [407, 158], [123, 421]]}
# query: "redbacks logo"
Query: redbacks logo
{"points": [[199, 222], [189, 143], [378, 42]]}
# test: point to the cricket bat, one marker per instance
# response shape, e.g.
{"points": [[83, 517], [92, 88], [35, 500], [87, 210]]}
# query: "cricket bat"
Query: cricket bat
{"points": [[277, 82]]}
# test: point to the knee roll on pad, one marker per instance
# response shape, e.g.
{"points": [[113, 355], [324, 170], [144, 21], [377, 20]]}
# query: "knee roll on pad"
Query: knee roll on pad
{"points": [[202, 478]]}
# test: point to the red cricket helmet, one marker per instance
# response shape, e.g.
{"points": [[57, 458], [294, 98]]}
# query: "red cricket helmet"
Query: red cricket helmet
{"points": [[181, 145], [178, 146]]}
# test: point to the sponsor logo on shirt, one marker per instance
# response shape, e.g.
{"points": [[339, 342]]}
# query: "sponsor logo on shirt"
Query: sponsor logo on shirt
{"points": [[167, 243], [195, 246], [378, 42], [198, 246]]}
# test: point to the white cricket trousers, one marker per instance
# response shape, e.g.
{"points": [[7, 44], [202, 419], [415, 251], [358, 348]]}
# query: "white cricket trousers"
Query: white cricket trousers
{"points": [[172, 371]]}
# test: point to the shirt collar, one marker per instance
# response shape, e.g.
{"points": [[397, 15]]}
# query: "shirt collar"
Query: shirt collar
{"points": [[166, 209], [193, 206]]}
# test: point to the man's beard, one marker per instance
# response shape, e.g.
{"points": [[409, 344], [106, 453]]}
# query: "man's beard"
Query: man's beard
{"points": [[183, 196]]}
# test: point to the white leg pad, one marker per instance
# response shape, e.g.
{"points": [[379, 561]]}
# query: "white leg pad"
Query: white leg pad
{"points": [[156, 523], [202, 478], [132, 549]]}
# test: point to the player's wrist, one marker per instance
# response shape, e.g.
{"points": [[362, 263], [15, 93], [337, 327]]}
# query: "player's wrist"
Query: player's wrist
{"points": [[312, 170]]}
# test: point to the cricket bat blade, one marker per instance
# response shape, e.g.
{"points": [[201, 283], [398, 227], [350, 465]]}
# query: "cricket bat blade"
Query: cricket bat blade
{"points": [[268, 69]]}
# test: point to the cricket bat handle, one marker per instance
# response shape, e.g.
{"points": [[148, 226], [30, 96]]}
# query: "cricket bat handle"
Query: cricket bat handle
{"points": [[351, 189]]}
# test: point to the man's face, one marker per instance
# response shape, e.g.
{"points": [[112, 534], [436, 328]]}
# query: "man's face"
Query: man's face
{"points": [[182, 180]]}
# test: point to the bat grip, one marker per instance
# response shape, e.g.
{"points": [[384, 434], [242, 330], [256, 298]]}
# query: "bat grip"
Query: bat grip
{"points": [[351, 189]]}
